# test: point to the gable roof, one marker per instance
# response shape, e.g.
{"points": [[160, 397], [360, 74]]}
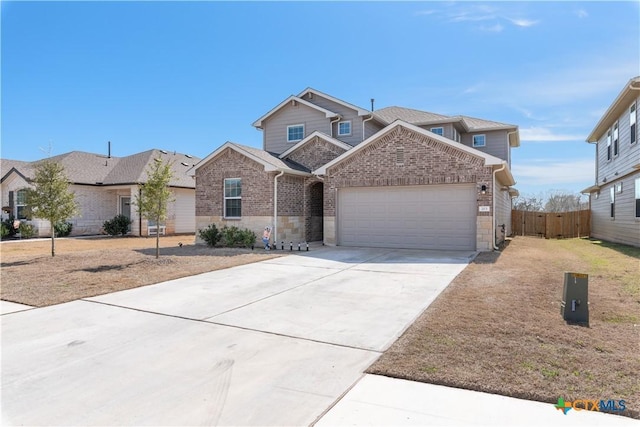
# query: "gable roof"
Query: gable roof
{"points": [[616, 109], [422, 118], [271, 162], [292, 99], [97, 169], [489, 160], [359, 110], [310, 137]]}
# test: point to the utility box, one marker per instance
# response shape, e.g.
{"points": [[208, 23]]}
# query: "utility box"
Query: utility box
{"points": [[575, 298]]}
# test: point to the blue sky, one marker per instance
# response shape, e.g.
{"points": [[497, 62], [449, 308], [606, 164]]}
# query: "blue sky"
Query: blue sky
{"points": [[190, 76]]}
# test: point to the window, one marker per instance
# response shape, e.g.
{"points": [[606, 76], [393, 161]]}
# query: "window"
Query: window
{"points": [[615, 139], [295, 133], [613, 202], [637, 197], [619, 187], [438, 131], [609, 144], [344, 128], [232, 198], [632, 122], [21, 204], [479, 141]]}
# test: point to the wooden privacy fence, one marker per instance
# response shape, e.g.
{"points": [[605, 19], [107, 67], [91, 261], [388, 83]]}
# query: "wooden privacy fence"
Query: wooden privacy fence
{"points": [[551, 225]]}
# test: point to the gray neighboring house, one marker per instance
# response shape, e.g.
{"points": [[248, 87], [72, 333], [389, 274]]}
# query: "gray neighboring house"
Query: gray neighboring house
{"points": [[104, 187], [334, 172], [615, 196]]}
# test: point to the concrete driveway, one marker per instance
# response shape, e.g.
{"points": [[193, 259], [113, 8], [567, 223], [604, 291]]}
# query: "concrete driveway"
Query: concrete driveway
{"points": [[271, 343]]}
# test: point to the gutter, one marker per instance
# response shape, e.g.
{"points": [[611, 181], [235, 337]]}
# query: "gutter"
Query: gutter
{"points": [[493, 196], [275, 206], [331, 125], [363, 122]]}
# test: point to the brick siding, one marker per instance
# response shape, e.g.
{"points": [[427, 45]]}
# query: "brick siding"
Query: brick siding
{"points": [[316, 153]]}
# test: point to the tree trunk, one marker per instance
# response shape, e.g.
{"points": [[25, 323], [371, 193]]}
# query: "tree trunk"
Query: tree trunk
{"points": [[157, 238], [53, 240]]}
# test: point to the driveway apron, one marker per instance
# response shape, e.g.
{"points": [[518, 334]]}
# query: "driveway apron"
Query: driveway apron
{"points": [[271, 343]]}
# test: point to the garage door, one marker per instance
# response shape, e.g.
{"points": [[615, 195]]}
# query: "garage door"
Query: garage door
{"points": [[420, 217], [185, 211]]}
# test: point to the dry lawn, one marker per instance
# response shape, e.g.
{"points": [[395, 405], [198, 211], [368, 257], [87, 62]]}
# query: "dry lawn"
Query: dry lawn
{"points": [[89, 267], [497, 328]]}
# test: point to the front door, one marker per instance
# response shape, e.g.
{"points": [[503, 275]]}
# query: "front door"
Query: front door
{"points": [[125, 208]]}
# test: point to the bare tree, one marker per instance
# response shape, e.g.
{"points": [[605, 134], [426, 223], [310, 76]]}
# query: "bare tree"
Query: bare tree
{"points": [[529, 203], [563, 201]]}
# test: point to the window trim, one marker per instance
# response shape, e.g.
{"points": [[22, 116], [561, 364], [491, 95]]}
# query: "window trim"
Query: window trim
{"points": [[612, 203], [225, 198], [616, 139], [438, 127], [633, 123], [350, 128], [473, 140], [22, 192], [301, 125]]}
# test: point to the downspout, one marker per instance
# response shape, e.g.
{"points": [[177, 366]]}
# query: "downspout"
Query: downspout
{"points": [[331, 125], [275, 206], [509, 145], [363, 122], [493, 196]]}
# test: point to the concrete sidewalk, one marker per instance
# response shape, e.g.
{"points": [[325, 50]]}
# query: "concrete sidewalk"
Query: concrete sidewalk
{"points": [[382, 401]]}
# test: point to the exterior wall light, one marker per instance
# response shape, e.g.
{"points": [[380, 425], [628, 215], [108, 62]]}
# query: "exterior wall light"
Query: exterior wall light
{"points": [[483, 189]]}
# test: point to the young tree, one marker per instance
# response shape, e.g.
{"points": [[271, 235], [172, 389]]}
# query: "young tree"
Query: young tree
{"points": [[50, 197], [155, 195]]}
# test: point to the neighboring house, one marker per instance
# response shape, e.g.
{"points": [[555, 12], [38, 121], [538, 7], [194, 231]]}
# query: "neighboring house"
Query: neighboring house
{"points": [[104, 187], [333, 172], [615, 197]]}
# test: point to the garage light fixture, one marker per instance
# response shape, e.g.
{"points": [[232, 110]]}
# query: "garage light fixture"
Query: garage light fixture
{"points": [[483, 189]]}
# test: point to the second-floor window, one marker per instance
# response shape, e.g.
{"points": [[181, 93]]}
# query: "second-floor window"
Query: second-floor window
{"points": [[479, 141], [344, 128], [615, 139], [295, 133], [609, 144], [438, 131], [632, 122], [232, 198]]}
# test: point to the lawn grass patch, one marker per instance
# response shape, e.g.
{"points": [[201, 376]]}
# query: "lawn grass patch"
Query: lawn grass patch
{"points": [[497, 328]]}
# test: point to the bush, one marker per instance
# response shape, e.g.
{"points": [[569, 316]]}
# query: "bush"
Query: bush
{"points": [[63, 229], [4, 230], [7, 226], [235, 237], [27, 231], [210, 235], [118, 225]]}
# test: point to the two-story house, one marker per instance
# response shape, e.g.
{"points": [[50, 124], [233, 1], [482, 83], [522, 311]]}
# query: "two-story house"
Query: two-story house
{"points": [[615, 197], [334, 172]]}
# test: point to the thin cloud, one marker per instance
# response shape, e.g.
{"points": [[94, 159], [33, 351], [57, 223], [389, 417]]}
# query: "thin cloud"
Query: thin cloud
{"points": [[424, 12], [523, 23], [581, 13], [497, 28], [540, 134], [556, 173]]}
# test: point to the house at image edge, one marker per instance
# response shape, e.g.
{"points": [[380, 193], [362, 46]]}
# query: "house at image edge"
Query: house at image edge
{"points": [[331, 171], [615, 196], [104, 187]]}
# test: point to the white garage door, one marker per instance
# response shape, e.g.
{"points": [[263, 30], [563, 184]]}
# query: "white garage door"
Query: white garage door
{"points": [[420, 217]]}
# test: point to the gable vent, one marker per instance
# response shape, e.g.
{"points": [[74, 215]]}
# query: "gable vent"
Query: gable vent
{"points": [[400, 156]]}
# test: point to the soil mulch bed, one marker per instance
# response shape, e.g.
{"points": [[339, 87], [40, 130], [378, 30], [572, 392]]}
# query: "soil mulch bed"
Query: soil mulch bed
{"points": [[497, 328], [89, 267]]}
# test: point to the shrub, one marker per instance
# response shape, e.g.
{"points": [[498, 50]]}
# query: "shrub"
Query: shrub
{"points": [[4, 230], [235, 237], [210, 235], [118, 225], [7, 225], [63, 229], [27, 231]]}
